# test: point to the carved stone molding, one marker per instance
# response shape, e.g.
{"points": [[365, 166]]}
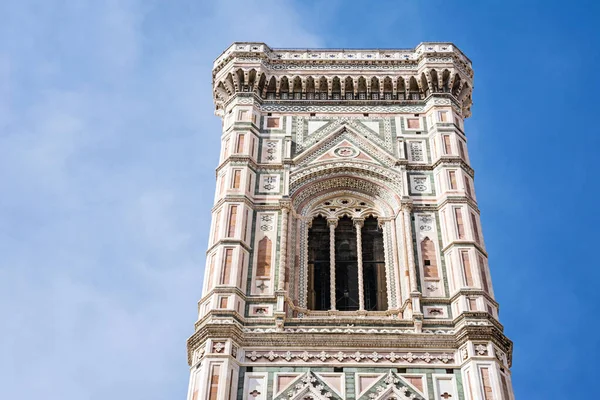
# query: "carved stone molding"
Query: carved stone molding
{"points": [[350, 357]]}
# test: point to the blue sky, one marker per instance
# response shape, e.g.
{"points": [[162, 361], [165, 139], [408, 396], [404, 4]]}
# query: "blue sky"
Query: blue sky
{"points": [[108, 146]]}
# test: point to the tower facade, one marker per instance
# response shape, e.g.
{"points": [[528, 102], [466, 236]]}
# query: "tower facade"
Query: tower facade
{"points": [[346, 258]]}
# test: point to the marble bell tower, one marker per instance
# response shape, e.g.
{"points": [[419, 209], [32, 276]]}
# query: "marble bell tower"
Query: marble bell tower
{"points": [[346, 257]]}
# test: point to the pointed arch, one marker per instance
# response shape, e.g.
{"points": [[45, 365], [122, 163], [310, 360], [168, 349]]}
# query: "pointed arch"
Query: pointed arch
{"points": [[401, 88], [336, 88], [297, 88], [272, 88], [239, 81], [319, 266], [229, 84], [456, 86], [349, 88], [251, 79], [434, 81], [373, 264], [387, 88], [424, 85], [262, 80], [446, 81], [413, 88], [221, 92], [323, 88], [374, 88], [310, 88], [362, 88], [284, 88]]}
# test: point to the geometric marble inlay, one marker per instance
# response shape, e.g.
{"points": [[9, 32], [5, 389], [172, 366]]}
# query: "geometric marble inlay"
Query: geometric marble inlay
{"points": [[347, 258]]}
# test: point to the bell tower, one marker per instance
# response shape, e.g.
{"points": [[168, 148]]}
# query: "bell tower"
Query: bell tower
{"points": [[346, 258]]}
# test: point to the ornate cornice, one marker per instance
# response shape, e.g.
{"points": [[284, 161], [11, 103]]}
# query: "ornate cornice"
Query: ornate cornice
{"points": [[373, 339], [343, 75], [383, 57]]}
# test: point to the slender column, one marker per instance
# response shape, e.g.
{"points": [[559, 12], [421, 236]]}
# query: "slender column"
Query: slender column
{"points": [[303, 273], [405, 275], [332, 225], [358, 224], [410, 255], [390, 262], [285, 208]]}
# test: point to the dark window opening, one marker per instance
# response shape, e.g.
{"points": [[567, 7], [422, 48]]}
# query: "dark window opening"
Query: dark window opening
{"points": [[318, 265], [375, 284], [346, 266]]}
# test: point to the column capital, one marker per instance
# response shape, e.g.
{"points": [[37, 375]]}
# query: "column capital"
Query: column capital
{"points": [[332, 222], [285, 204], [359, 222], [381, 221], [407, 206]]}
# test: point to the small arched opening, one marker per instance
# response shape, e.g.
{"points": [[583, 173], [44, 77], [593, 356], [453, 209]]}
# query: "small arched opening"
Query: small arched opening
{"points": [[271, 88], [284, 88], [349, 88]]}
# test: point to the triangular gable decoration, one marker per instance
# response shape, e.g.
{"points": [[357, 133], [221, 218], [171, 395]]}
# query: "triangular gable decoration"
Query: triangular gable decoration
{"points": [[391, 385], [311, 385], [346, 143]]}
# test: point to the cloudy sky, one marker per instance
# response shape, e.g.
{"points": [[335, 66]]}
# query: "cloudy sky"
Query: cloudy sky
{"points": [[108, 145]]}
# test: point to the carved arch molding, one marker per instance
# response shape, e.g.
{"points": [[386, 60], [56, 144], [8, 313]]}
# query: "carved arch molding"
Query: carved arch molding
{"points": [[376, 198]]}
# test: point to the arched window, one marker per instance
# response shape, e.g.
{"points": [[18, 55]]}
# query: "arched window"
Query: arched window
{"points": [[271, 88], [323, 88], [434, 81], [374, 88], [318, 265], [297, 88], [310, 88], [346, 261], [362, 88], [387, 88], [413, 88], [373, 266], [349, 88], [336, 90], [284, 88], [346, 266]]}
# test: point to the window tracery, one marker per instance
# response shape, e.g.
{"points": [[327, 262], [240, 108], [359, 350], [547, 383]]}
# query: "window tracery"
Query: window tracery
{"points": [[346, 257]]}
